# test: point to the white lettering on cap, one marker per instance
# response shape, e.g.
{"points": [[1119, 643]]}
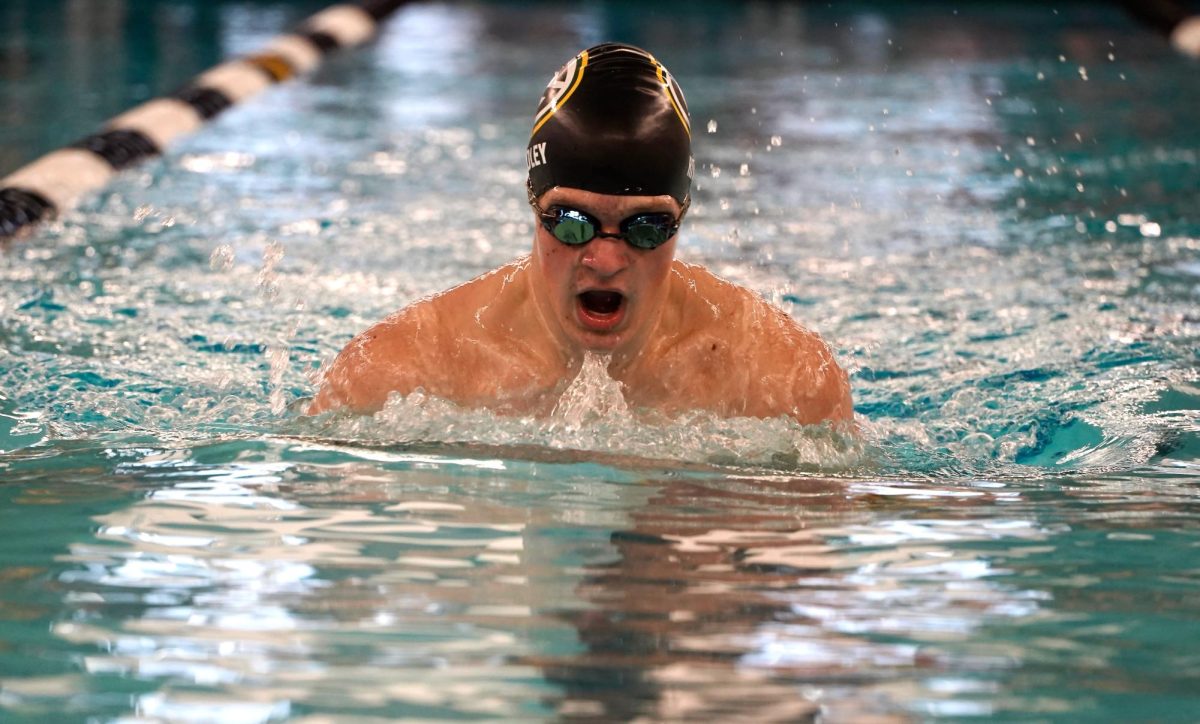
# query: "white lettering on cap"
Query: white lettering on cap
{"points": [[535, 155]]}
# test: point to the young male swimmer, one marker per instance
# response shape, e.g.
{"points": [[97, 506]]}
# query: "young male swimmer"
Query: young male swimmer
{"points": [[610, 170]]}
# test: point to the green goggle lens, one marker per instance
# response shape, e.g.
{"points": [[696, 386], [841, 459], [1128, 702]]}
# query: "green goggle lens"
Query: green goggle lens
{"points": [[572, 227], [643, 231]]}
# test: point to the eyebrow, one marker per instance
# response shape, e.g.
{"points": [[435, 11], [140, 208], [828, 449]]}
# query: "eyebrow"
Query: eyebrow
{"points": [[634, 211]]}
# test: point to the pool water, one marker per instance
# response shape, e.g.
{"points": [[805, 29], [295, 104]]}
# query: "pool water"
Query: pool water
{"points": [[989, 214]]}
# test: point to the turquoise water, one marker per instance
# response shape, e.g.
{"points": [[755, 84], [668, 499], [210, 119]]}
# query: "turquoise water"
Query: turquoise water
{"points": [[991, 216]]}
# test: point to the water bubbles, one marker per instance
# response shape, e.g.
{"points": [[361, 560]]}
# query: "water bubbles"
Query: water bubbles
{"points": [[744, 169], [267, 280], [592, 415], [1150, 229], [1083, 73], [712, 126], [221, 258], [1030, 141], [591, 397], [216, 162], [715, 170], [776, 141]]}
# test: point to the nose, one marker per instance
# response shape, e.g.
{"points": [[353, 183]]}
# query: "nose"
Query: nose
{"points": [[606, 256]]}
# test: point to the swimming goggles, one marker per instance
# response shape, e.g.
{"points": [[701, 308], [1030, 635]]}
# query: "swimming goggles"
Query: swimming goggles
{"points": [[576, 228]]}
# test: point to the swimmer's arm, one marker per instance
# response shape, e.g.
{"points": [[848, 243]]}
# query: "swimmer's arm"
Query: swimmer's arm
{"points": [[373, 365]]}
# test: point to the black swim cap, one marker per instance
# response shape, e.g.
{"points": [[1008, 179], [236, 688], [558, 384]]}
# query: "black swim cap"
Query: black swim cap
{"points": [[613, 121]]}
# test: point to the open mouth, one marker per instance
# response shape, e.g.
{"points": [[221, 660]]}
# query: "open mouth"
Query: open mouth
{"points": [[601, 303], [600, 309]]}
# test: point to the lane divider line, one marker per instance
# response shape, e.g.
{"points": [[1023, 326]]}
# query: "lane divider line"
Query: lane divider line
{"points": [[59, 180]]}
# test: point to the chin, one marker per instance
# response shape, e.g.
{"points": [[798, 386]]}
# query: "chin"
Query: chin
{"points": [[599, 343]]}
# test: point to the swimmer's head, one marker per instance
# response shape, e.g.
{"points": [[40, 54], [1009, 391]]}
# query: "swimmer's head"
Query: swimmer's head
{"points": [[612, 121]]}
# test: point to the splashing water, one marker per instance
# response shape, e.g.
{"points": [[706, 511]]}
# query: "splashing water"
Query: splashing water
{"points": [[592, 397], [593, 416]]}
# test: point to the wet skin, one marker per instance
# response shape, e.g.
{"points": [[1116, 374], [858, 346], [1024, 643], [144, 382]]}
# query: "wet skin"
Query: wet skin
{"points": [[677, 337]]}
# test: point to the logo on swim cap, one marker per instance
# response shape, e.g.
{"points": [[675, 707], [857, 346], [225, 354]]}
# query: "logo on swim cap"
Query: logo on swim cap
{"points": [[559, 89], [675, 94]]}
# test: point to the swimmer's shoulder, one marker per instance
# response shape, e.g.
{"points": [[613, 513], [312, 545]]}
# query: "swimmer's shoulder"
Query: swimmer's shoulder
{"points": [[799, 374], [783, 367], [408, 349], [384, 358]]}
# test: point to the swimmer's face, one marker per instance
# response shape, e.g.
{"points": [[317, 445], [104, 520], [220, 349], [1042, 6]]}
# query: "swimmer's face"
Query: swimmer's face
{"points": [[605, 295]]}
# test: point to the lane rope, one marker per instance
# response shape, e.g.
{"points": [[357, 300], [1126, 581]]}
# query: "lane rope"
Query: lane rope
{"points": [[59, 180]]}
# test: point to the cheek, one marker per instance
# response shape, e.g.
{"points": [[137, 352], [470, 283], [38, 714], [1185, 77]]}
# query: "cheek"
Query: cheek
{"points": [[660, 270], [555, 262]]}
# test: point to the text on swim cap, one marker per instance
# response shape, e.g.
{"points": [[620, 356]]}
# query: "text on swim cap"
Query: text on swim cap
{"points": [[535, 155]]}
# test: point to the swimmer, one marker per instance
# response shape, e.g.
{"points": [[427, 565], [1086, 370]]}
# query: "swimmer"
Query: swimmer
{"points": [[610, 171]]}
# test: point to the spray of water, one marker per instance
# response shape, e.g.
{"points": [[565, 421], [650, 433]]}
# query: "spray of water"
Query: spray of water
{"points": [[593, 416]]}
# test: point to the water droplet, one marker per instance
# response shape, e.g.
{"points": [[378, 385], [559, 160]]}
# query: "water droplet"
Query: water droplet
{"points": [[221, 258], [1083, 73], [716, 171], [1150, 229], [1031, 140], [1110, 226], [776, 140], [712, 126], [1041, 75], [744, 170]]}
